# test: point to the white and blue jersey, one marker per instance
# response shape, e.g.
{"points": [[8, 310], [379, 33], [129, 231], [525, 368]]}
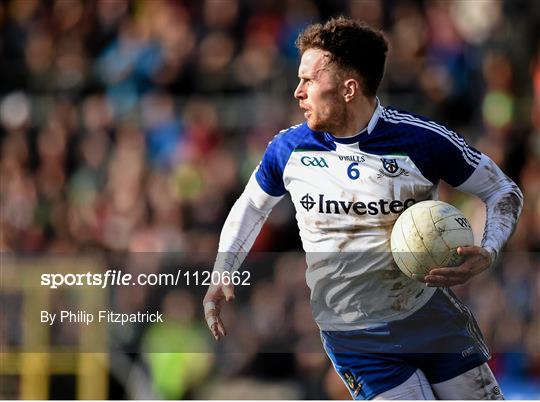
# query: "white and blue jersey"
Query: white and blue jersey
{"points": [[348, 192], [378, 326]]}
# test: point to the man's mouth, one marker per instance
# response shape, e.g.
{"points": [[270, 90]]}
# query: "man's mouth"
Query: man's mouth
{"points": [[306, 110]]}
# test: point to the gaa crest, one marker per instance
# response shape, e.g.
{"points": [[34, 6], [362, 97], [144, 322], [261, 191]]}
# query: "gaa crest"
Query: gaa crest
{"points": [[390, 168]]}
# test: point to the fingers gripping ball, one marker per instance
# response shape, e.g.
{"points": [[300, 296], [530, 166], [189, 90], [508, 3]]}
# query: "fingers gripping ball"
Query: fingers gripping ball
{"points": [[427, 235]]}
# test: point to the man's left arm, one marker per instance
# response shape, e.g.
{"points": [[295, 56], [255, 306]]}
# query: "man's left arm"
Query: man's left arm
{"points": [[504, 202]]}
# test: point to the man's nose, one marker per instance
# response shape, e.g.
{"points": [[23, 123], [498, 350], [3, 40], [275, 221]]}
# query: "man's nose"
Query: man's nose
{"points": [[299, 92]]}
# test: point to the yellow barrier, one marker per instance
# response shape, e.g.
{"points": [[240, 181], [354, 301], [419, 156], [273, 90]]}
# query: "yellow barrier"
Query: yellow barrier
{"points": [[39, 356]]}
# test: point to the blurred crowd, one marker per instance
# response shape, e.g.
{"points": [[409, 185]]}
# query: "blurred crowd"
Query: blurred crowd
{"points": [[132, 126]]}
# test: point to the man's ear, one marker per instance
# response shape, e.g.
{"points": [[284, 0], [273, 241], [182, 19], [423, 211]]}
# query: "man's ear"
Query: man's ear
{"points": [[352, 89]]}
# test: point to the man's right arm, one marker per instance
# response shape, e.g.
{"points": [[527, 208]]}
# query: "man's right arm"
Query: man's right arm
{"points": [[239, 232], [242, 225]]}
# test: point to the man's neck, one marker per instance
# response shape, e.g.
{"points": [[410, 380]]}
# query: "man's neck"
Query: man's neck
{"points": [[358, 116]]}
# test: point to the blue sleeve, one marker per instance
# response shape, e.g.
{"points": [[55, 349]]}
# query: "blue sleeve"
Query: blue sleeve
{"points": [[269, 174], [459, 160], [444, 155]]}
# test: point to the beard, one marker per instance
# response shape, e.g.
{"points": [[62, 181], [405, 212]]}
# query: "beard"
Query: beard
{"points": [[328, 120], [331, 113]]}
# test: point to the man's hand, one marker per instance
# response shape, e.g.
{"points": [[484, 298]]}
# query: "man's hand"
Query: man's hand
{"points": [[477, 259], [213, 301]]}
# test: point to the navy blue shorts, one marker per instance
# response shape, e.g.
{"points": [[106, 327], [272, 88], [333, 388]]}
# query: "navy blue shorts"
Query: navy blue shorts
{"points": [[442, 339]]}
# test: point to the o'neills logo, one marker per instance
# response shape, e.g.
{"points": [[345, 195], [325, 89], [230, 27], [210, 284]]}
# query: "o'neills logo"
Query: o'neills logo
{"points": [[325, 206]]}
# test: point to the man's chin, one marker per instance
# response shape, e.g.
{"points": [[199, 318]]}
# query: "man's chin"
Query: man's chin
{"points": [[314, 126]]}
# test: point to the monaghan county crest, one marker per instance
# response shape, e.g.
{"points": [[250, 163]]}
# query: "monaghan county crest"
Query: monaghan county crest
{"points": [[351, 382], [390, 168]]}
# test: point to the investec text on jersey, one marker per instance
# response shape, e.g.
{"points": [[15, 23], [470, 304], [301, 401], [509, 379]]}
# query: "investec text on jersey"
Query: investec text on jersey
{"points": [[358, 207]]}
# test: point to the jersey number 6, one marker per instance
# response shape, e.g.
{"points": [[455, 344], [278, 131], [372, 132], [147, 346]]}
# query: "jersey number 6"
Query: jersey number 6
{"points": [[352, 171]]}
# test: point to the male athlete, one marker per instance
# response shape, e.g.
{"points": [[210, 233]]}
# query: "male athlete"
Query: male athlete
{"points": [[351, 169]]}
